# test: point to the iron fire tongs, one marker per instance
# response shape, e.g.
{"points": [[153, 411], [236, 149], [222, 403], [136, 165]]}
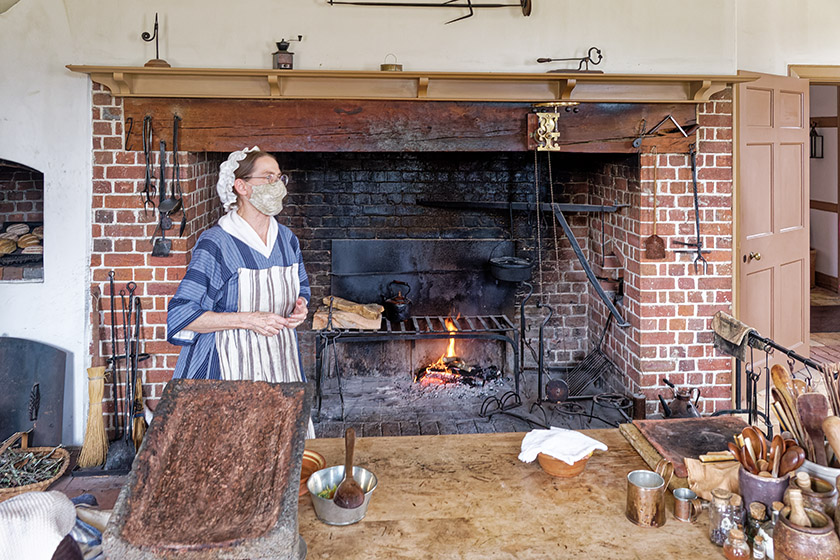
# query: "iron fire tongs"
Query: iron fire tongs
{"points": [[698, 243], [147, 153]]}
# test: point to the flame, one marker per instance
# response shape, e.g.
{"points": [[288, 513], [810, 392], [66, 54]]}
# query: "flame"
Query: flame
{"points": [[440, 367], [450, 326]]}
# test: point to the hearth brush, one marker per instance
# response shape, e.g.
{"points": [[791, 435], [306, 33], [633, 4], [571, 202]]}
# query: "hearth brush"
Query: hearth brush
{"points": [[95, 446]]}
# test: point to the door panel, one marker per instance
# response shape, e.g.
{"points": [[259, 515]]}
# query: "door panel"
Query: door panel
{"points": [[791, 303], [790, 191], [757, 107], [755, 289], [791, 109], [757, 174], [772, 188]]}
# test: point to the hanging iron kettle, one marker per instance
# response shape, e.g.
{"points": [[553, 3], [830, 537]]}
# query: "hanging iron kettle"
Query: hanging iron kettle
{"points": [[684, 403], [398, 307]]}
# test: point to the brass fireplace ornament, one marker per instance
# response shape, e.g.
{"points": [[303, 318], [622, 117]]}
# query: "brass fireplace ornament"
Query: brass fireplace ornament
{"points": [[524, 5], [547, 135], [593, 56], [156, 62]]}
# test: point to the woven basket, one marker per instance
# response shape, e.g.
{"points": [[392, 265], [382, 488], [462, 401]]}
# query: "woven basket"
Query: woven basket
{"points": [[60, 453]]}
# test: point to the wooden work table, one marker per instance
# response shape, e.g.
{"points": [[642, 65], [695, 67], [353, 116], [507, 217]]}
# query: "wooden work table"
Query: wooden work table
{"points": [[468, 496]]}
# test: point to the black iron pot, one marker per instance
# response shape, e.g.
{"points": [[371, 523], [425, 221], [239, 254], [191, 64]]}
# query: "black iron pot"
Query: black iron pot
{"points": [[510, 269], [398, 307]]}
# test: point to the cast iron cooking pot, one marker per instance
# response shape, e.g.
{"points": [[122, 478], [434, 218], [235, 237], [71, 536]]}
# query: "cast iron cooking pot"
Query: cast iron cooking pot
{"points": [[510, 269], [398, 307]]}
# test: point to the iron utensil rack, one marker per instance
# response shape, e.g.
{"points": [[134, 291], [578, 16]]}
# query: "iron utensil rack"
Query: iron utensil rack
{"points": [[767, 346], [478, 327]]}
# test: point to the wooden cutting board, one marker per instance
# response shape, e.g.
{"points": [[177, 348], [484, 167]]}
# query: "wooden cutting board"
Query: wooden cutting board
{"points": [[678, 438]]}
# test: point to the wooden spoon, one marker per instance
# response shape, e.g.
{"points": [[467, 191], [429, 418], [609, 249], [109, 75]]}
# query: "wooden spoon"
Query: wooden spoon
{"points": [[349, 495], [783, 399], [813, 409], [791, 460], [777, 447], [783, 380], [738, 453], [753, 443], [831, 428]]}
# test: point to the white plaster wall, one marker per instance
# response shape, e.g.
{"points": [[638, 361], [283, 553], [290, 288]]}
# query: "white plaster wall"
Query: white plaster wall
{"points": [[771, 34], [45, 124], [823, 101], [824, 239], [45, 109]]}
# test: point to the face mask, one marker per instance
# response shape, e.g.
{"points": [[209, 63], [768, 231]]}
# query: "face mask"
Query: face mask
{"points": [[268, 198]]}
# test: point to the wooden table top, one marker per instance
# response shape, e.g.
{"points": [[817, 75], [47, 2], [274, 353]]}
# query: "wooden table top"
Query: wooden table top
{"points": [[469, 496]]}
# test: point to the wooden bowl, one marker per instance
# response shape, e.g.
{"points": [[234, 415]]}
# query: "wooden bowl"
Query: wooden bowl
{"points": [[562, 469], [312, 461]]}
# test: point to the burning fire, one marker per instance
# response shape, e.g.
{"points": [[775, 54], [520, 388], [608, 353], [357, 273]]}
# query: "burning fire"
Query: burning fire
{"points": [[442, 371], [449, 368]]}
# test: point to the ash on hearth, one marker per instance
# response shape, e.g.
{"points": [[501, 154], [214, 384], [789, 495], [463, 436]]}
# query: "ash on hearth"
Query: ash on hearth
{"points": [[451, 369]]}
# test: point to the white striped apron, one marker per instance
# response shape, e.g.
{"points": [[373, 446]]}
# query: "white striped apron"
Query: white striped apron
{"points": [[246, 355]]}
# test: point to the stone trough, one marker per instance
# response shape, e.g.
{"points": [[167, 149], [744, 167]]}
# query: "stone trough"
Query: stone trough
{"points": [[217, 475]]}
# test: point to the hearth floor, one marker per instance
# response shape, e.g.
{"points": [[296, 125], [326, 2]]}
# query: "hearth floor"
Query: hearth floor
{"points": [[394, 406]]}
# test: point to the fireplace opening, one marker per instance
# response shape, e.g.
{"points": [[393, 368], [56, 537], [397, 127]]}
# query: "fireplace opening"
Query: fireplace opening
{"points": [[433, 222], [21, 223]]}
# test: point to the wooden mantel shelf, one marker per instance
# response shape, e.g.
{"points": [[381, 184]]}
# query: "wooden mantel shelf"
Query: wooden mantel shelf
{"points": [[429, 86]]}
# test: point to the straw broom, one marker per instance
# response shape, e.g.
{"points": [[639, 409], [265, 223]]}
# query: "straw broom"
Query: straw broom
{"points": [[95, 446]]}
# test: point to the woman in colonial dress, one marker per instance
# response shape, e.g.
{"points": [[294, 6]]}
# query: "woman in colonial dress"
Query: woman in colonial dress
{"points": [[245, 289]]}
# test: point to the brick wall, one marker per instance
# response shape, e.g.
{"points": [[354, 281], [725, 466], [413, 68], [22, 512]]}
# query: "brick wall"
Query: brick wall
{"points": [[667, 302], [375, 195], [21, 195], [122, 230]]}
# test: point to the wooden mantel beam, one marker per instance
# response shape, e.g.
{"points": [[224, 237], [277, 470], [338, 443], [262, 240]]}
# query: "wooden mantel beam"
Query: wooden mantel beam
{"points": [[427, 86]]}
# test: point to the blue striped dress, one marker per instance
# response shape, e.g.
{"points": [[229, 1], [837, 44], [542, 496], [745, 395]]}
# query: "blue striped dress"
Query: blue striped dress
{"points": [[211, 283]]}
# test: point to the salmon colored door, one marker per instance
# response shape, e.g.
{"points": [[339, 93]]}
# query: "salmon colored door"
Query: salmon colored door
{"points": [[773, 290]]}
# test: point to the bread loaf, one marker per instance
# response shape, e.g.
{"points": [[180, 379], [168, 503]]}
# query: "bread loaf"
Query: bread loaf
{"points": [[18, 229], [7, 246], [38, 232], [27, 241], [33, 250], [7, 235]]}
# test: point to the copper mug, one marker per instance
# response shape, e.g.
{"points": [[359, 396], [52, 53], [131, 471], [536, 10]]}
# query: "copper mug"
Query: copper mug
{"points": [[646, 495], [687, 506]]}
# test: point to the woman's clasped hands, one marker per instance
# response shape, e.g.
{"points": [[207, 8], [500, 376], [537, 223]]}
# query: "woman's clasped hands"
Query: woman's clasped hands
{"points": [[269, 324]]}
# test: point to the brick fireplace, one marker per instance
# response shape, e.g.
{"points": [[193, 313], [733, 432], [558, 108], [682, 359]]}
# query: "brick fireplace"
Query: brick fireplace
{"points": [[365, 193]]}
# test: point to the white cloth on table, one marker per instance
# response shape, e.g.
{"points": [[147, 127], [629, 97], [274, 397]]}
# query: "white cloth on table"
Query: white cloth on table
{"points": [[567, 445]]}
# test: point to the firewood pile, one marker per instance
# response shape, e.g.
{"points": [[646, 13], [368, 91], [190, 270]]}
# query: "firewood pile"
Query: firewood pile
{"points": [[348, 315]]}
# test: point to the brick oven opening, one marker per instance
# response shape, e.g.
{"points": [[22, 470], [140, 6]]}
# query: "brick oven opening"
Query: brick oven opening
{"points": [[21, 222]]}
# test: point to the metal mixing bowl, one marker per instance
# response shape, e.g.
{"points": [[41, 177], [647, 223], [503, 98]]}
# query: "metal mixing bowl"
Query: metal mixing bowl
{"points": [[326, 510]]}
